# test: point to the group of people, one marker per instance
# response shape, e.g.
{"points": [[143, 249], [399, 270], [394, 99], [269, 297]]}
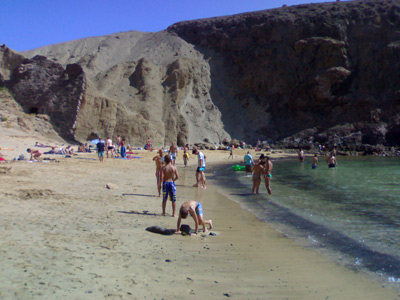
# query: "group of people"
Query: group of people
{"points": [[167, 174], [331, 160], [110, 149], [261, 169]]}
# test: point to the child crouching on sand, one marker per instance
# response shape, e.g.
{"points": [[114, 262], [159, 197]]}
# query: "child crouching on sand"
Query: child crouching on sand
{"points": [[196, 211]]}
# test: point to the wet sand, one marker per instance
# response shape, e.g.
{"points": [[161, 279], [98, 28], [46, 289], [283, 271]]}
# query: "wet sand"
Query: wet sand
{"points": [[65, 235]]}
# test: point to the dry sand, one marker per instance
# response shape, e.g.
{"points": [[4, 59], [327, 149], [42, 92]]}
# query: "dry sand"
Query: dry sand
{"points": [[66, 236]]}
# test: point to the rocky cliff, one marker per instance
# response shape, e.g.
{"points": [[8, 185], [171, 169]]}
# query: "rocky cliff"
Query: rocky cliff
{"points": [[302, 76], [308, 74]]}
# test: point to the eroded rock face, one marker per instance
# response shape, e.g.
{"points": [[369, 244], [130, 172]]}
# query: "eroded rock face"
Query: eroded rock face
{"points": [[43, 87], [140, 86], [305, 70], [303, 75]]}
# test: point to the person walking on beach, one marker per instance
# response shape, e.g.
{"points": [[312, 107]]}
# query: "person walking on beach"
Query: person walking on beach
{"points": [[35, 154], [231, 152], [185, 157], [100, 150], [169, 176], [248, 162], [258, 170], [159, 160], [331, 160], [173, 152], [314, 162], [268, 174], [196, 211], [118, 142], [201, 167]]}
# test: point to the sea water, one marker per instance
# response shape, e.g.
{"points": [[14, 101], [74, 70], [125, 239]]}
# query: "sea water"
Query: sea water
{"points": [[351, 212]]}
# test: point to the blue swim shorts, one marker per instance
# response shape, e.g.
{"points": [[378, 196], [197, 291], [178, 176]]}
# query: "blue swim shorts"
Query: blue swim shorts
{"points": [[200, 170], [199, 209], [100, 154], [173, 156], [169, 189]]}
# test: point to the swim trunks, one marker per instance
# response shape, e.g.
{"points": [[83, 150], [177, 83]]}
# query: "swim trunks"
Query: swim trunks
{"points": [[158, 176], [173, 156], [331, 165], [200, 170], [169, 189], [110, 147], [199, 209], [268, 175], [100, 154], [314, 166]]}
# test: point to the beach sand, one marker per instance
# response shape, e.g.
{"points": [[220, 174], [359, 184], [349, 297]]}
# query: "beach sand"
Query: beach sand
{"points": [[65, 235]]}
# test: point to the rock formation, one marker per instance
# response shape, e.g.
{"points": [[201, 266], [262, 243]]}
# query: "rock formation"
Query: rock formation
{"points": [[299, 76]]}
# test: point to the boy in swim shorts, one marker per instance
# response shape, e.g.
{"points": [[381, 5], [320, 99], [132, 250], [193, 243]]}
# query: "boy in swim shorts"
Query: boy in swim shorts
{"points": [[195, 209], [169, 176]]}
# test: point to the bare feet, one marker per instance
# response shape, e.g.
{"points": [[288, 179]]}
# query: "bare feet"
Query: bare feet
{"points": [[210, 225], [196, 185]]}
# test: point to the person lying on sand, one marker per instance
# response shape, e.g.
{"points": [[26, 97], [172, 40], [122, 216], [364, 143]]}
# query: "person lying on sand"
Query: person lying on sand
{"points": [[196, 211], [35, 154]]}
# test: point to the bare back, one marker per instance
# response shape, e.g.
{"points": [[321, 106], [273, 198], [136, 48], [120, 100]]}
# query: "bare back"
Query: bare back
{"points": [[169, 173]]}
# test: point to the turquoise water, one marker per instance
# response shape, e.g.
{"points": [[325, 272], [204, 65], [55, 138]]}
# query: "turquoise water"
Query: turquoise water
{"points": [[352, 211]]}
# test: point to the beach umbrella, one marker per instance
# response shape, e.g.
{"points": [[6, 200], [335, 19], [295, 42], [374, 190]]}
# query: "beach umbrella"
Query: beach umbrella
{"points": [[96, 141]]}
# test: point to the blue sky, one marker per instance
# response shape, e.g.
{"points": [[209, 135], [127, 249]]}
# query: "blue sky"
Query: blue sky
{"points": [[29, 24]]}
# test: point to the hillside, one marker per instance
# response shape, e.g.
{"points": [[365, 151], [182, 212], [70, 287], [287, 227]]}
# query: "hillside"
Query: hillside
{"points": [[297, 76]]}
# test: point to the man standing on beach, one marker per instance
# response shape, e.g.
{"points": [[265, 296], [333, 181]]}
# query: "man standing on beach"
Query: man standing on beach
{"points": [[159, 164], [200, 175], [169, 176], [100, 150], [173, 152], [248, 162], [268, 174], [109, 147]]}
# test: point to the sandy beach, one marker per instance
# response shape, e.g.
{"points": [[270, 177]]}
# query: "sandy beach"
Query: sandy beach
{"points": [[65, 235]]}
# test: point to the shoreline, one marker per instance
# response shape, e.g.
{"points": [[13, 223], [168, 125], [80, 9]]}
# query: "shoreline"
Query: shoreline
{"points": [[67, 235]]}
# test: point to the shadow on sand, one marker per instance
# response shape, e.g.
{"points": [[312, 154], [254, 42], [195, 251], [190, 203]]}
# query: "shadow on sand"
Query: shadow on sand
{"points": [[141, 195]]}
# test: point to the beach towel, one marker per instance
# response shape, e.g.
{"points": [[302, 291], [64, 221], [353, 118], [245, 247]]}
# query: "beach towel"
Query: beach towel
{"points": [[160, 230]]}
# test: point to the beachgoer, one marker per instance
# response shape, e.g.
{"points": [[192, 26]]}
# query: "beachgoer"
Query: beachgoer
{"points": [[258, 170], [100, 150], [173, 152], [123, 149], [268, 174], [331, 160], [248, 162], [109, 147], [231, 152], [201, 167], [118, 142], [148, 145], [185, 157], [35, 154], [301, 155], [159, 160], [314, 162], [196, 211], [169, 176]]}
